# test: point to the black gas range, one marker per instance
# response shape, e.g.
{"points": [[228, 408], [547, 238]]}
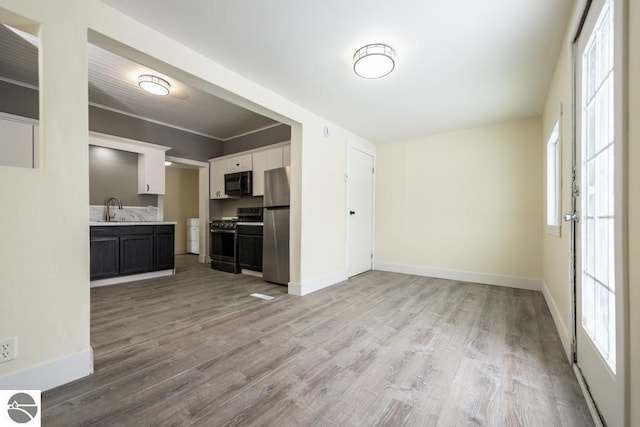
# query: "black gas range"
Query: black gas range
{"points": [[224, 238]]}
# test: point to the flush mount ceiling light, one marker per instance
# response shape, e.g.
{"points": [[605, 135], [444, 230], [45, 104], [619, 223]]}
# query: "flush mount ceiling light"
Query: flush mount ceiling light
{"points": [[154, 84], [374, 61], [167, 163]]}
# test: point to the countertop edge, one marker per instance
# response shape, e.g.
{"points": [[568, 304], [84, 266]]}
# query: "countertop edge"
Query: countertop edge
{"points": [[125, 223]]}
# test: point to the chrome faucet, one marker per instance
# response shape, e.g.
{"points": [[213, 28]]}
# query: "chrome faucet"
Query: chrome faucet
{"points": [[109, 216]]}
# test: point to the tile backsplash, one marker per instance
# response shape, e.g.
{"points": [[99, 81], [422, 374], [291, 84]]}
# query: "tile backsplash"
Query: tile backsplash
{"points": [[127, 213]]}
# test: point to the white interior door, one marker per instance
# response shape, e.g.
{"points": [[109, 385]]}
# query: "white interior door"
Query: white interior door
{"points": [[360, 210], [599, 322]]}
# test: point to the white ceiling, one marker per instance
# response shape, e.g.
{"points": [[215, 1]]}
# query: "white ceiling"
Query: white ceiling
{"points": [[460, 63]]}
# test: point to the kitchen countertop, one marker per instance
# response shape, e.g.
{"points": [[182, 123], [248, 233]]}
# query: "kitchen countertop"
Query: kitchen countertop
{"points": [[113, 223]]}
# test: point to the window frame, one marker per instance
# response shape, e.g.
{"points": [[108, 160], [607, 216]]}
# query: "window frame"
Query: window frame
{"points": [[554, 140]]}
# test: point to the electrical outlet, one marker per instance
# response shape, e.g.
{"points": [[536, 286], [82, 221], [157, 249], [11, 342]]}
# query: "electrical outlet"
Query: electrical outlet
{"points": [[8, 347]]}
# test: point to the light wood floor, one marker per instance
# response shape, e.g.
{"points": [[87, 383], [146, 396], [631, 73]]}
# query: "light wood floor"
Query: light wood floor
{"points": [[380, 349]]}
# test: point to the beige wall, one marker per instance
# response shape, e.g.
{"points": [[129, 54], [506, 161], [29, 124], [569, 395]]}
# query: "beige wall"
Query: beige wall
{"points": [[44, 248], [181, 201], [633, 167], [466, 201], [556, 249]]}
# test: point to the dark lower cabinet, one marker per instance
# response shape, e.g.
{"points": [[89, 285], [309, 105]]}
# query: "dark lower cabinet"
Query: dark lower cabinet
{"points": [[131, 249], [164, 247], [250, 247], [105, 256], [136, 254]]}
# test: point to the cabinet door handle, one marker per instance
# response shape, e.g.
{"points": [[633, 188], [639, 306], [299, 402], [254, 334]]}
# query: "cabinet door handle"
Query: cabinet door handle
{"points": [[147, 187]]}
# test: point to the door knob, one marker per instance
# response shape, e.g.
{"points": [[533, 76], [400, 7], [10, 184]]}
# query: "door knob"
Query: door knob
{"points": [[352, 212], [571, 217]]}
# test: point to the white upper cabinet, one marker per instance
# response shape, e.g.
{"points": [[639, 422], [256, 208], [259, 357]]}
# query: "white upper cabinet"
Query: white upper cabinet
{"points": [[262, 161], [151, 173], [216, 178], [16, 144], [220, 167], [257, 161], [239, 163]]}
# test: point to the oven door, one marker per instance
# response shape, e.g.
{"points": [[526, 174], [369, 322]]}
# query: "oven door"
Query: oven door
{"points": [[224, 250]]}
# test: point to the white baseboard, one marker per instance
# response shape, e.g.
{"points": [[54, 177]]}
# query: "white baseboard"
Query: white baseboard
{"points": [[131, 278], [313, 285], [565, 337], [463, 276], [51, 374]]}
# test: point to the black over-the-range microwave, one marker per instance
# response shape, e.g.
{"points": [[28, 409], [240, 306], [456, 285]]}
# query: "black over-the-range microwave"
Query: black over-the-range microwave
{"points": [[238, 184]]}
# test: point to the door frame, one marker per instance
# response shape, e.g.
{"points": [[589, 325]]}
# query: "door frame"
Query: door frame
{"points": [[355, 146], [203, 202], [620, 194]]}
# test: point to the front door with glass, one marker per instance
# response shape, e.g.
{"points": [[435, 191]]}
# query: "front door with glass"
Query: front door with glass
{"points": [[598, 301]]}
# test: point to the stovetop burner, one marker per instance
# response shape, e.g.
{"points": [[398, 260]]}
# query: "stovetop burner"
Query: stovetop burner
{"points": [[223, 224], [244, 215]]}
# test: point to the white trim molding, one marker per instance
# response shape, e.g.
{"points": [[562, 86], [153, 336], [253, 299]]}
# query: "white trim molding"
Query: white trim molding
{"points": [[183, 161], [464, 276], [124, 144], [563, 332], [19, 119], [50, 374], [131, 278], [309, 286]]}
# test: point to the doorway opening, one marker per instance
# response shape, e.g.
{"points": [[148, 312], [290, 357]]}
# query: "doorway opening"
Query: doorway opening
{"points": [[186, 201]]}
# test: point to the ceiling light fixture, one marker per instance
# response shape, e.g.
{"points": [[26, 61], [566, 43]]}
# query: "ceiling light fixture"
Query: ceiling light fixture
{"points": [[154, 84], [167, 163], [374, 61]]}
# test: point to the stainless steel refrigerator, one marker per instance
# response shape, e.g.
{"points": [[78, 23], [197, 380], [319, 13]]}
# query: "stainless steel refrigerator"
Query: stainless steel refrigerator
{"points": [[275, 243]]}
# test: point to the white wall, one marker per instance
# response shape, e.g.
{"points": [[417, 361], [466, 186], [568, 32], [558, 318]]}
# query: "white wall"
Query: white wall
{"points": [[44, 258], [57, 289], [463, 202]]}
